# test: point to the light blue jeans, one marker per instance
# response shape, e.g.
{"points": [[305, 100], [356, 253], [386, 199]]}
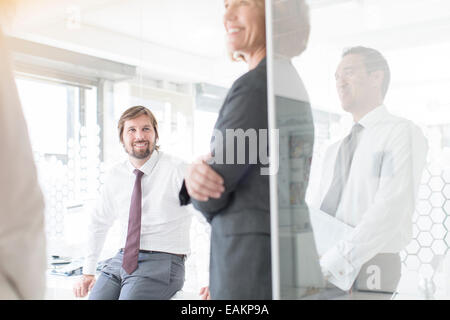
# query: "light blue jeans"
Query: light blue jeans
{"points": [[158, 277]]}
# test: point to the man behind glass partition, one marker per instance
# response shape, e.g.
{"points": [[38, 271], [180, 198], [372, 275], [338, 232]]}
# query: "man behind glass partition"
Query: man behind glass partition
{"points": [[369, 182]]}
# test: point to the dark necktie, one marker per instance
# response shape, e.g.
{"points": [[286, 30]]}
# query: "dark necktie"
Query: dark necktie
{"points": [[131, 252], [341, 170]]}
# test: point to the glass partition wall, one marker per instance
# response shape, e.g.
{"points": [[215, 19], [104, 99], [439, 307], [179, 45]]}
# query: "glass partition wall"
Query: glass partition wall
{"points": [[412, 220], [296, 270], [80, 64]]}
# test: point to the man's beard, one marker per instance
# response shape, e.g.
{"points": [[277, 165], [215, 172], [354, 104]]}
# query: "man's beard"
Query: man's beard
{"points": [[142, 153]]}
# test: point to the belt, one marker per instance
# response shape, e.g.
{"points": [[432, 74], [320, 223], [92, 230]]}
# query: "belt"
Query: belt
{"points": [[150, 251]]}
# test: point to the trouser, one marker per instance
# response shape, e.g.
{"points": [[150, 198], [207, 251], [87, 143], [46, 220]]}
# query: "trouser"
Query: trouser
{"points": [[240, 267], [158, 277]]}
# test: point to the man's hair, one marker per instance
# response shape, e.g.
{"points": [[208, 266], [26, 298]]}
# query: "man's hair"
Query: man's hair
{"points": [[373, 61], [133, 113]]}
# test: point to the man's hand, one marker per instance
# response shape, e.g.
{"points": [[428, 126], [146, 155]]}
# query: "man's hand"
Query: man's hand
{"points": [[202, 182], [82, 287], [204, 293]]}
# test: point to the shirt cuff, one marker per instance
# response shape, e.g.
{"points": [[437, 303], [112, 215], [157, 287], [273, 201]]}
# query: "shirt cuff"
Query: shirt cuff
{"points": [[183, 195], [342, 272]]}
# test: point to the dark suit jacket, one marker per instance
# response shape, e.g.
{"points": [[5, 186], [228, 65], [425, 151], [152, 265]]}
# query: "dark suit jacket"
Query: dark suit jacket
{"points": [[240, 220]]}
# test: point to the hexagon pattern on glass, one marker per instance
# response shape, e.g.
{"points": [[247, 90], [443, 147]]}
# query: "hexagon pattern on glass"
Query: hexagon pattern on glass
{"points": [[431, 236]]}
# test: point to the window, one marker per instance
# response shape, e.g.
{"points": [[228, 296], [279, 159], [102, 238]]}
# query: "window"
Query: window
{"points": [[64, 134]]}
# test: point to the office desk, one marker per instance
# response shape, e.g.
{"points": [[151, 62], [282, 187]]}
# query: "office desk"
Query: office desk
{"points": [[61, 288]]}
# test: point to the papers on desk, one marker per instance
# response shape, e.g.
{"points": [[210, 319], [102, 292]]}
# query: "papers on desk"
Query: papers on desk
{"points": [[72, 269], [58, 260], [327, 230]]}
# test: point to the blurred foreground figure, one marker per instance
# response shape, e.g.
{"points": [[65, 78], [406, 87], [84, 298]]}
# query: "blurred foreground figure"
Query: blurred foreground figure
{"points": [[22, 237]]}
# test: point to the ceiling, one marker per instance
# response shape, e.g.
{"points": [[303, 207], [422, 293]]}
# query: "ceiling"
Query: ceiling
{"points": [[193, 26], [185, 39], [175, 39]]}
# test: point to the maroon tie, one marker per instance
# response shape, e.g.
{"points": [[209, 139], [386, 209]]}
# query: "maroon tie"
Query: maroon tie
{"points": [[131, 252]]}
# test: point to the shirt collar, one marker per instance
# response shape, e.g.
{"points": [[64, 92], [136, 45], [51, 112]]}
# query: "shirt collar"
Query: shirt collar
{"points": [[148, 165], [374, 116]]}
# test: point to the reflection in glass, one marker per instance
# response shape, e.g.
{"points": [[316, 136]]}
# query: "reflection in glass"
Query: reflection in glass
{"points": [[299, 271], [362, 216]]}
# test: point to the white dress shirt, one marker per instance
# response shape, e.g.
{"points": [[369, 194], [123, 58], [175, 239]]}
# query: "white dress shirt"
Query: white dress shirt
{"points": [[164, 223], [379, 197], [22, 237]]}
